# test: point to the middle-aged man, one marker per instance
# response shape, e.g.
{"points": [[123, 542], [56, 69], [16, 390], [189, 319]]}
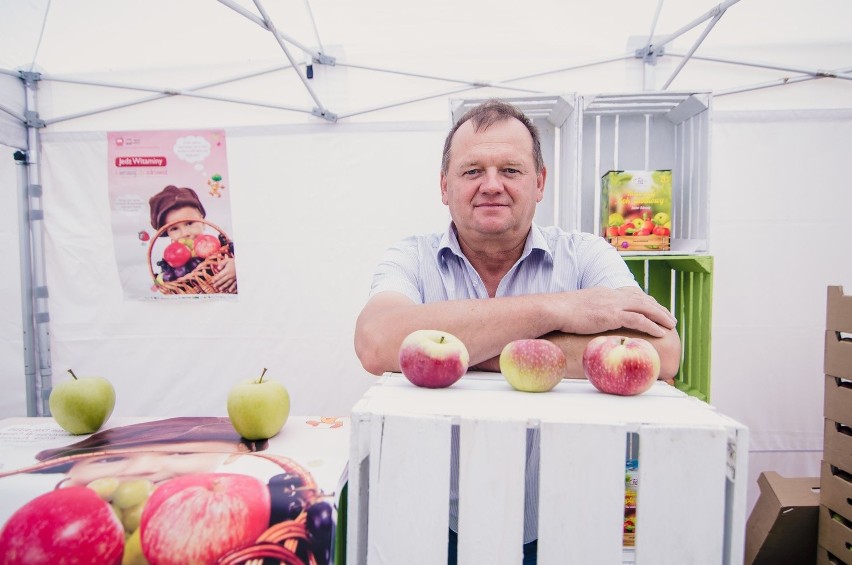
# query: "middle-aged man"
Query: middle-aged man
{"points": [[494, 276]]}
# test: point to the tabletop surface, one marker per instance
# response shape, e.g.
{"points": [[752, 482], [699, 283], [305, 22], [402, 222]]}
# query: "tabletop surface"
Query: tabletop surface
{"points": [[481, 395]]}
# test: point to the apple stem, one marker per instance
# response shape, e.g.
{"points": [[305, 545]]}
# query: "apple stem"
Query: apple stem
{"points": [[442, 340], [623, 340], [260, 380], [72, 374]]}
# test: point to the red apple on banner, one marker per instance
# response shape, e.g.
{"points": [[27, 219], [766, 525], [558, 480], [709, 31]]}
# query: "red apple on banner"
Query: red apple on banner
{"points": [[206, 245], [200, 517], [433, 358], [532, 365], [621, 365], [66, 525], [177, 254]]}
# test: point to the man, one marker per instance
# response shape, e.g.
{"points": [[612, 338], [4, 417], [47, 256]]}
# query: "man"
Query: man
{"points": [[495, 276]]}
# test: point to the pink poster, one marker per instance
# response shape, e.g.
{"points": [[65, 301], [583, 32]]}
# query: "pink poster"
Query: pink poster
{"points": [[171, 214]]}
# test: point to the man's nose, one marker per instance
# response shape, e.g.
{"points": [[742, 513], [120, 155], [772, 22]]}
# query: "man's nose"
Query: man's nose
{"points": [[491, 181]]}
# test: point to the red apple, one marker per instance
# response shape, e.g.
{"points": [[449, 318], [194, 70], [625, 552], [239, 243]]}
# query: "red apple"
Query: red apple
{"points": [[206, 245], [71, 524], [200, 517], [661, 230], [626, 229], [621, 365], [612, 231], [432, 358], [177, 254], [532, 365]]}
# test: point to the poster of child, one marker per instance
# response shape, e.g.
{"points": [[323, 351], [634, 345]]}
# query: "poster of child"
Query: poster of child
{"points": [[177, 490], [157, 178]]}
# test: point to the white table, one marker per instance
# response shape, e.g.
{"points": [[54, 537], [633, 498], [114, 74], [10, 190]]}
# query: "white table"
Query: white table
{"points": [[692, 475]]}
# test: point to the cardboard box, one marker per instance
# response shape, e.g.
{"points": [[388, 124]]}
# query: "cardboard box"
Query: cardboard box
{"points": [[835, 489], [837, 445], [835, 534], [782, 528], [838, 354], [636, 208], [825, 557], [837, 404], [838, 311]]}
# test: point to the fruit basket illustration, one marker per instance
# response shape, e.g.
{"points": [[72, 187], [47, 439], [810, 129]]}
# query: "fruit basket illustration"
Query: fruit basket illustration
{"points": [[190, 272]]}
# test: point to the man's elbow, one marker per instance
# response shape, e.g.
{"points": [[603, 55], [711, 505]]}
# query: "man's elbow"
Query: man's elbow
{"points": [[370, 355]]}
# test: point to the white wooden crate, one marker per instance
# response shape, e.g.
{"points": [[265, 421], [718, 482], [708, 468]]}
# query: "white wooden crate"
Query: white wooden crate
{"points": [[692, 475]]}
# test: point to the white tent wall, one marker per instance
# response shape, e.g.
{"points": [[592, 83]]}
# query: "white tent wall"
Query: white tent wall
{"points": [[316, 203]]}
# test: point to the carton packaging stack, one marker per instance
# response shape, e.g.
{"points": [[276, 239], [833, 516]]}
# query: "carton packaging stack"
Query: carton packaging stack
{"points": [[835, 512]]}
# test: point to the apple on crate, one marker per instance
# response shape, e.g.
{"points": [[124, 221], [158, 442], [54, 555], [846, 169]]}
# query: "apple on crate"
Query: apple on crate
{"points": [[199, 518], [68, 524], [533, 365], [433, 358], [82, 406], [621, 365], [258, 409]]}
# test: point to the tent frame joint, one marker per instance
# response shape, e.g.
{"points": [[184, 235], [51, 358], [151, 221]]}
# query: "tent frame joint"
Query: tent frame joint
{"points": [[650, 53], [323, 59], [29, 77], [32, 120], [325, 114]]}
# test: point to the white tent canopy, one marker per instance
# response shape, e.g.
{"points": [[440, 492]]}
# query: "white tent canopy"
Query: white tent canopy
{"points": [[330, 170]]}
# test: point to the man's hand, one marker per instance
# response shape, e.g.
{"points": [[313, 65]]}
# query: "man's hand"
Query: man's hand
{"points": [[598, 310]]}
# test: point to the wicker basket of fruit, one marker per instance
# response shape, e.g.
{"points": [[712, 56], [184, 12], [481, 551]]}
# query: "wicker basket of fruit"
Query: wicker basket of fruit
{"points": [[188, 265]]}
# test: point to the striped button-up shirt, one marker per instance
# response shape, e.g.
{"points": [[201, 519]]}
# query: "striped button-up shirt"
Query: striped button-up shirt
{"points": [[431, 268]]}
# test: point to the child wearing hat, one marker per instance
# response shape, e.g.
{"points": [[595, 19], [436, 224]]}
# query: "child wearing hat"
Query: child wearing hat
{"points": [[181, 207]]}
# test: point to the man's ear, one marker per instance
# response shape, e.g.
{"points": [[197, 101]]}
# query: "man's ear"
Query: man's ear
{"points": [[444, 197], [539, 182]]}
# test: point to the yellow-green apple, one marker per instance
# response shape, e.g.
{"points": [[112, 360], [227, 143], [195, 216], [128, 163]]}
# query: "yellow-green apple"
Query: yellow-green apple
{"points": [[532, 365], [69, 524], [621, 365], [258, 409], [433, 358], [199, 518], [82, 406]]}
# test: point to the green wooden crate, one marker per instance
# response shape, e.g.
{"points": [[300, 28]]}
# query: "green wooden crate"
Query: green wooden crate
{"points": [[684, 284]]}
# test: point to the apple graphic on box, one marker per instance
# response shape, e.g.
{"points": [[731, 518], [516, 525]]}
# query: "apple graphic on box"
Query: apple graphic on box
{"points": [[82, 406], [176, 254], [199, 518], [69, 524], [533, 365], [433, 358], [258, 409], [621, 365]]}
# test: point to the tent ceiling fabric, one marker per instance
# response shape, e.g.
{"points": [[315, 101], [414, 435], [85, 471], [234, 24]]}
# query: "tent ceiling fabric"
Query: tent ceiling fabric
{"points": [[381, 60]]}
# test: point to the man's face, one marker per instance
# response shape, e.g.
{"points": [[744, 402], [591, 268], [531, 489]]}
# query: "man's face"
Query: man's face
{"points": [[491, 185]]}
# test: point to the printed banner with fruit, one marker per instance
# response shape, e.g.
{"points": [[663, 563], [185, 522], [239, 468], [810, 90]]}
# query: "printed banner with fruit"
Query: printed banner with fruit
{"points": [[636, 209], [176, 490], [169, 197]]}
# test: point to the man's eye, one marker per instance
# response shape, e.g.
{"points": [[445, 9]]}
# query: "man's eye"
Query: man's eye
{"points": [[512, 171], [471, 172]]}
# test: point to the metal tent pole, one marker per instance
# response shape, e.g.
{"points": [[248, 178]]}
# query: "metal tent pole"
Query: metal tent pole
{"points": [[37, 289], [27, 322]]}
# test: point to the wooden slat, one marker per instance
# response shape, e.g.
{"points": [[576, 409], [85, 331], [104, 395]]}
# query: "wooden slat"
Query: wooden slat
{"points": [[491, 491], [409, 491], [680, 507], [581, 493]]}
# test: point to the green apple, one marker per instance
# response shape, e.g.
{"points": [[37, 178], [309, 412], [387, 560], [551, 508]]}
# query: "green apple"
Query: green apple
{"points": [[258, 409], [82, 406]]}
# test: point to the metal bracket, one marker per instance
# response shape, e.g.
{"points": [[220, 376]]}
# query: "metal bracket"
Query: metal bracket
{"points": [[650, 53], [34, 191], [330, 116], [41, 292], [323, 59], [32, 120], [29, 77], [36, 215]]}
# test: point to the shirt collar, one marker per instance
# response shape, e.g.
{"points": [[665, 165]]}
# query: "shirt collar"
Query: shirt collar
{"points": [[535, 240]]}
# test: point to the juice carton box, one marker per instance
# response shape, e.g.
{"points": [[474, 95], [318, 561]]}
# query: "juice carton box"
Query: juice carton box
{"points": [[631, 487], [636, 209]]}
